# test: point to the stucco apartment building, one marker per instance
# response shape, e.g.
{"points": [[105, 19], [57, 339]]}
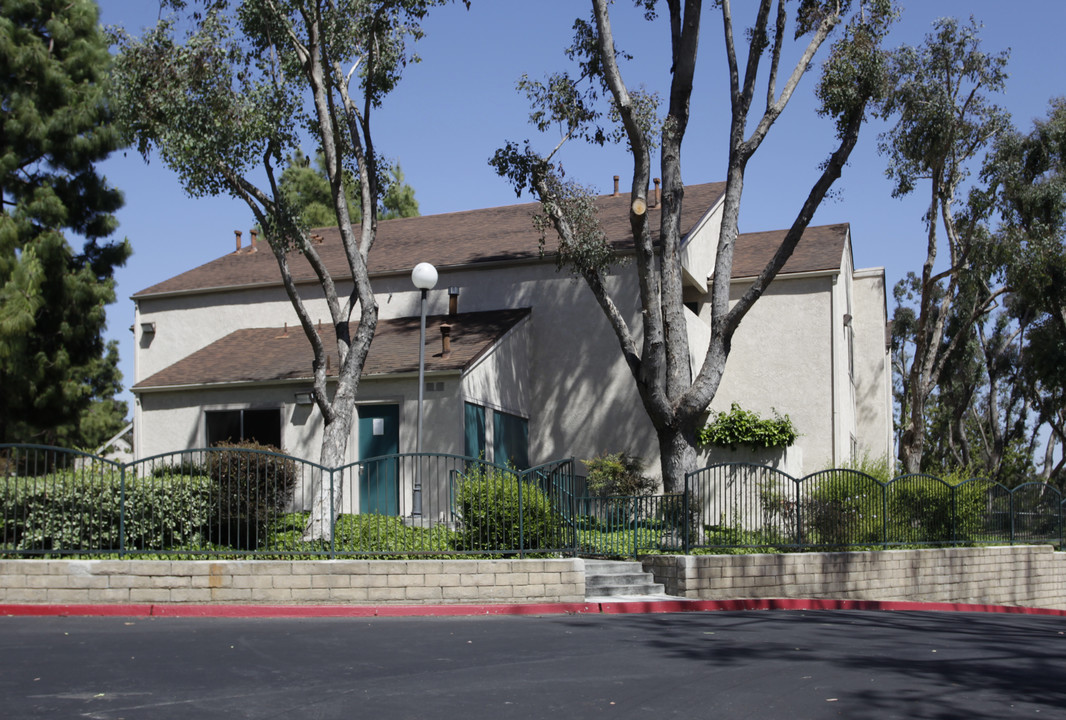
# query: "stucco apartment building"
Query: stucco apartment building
{"points": [[534, 372]]}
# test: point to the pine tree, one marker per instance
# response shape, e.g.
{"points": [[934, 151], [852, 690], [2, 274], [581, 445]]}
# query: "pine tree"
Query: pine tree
{"points": [[306, 190], [58, 375]]}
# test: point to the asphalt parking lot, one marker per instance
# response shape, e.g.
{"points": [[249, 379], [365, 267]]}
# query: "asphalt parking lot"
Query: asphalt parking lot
{"points": [[798, 664]]}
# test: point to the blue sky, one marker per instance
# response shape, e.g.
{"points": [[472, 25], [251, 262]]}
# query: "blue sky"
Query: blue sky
{"points": [[456, 107]]}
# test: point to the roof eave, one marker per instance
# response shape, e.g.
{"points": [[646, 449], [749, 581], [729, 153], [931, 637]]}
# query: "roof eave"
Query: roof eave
{"points": [[829, 272], [230, 384]]}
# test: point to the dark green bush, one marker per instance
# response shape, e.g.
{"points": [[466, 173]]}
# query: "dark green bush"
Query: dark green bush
{"points": [[617, 478], [498, 512], [842, 508], [618, 474], [184, 466], [251, 485], [920, 511], [81, 511]]}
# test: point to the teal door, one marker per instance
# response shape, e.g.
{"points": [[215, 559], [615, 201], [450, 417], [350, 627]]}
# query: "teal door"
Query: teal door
{"points": [[379, 480]]}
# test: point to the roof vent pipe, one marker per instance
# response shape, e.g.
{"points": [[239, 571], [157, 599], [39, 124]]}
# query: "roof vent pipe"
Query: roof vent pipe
{"points": [[616, 186], [445, 341], [453, 300], [238, 234], [255, 240]]}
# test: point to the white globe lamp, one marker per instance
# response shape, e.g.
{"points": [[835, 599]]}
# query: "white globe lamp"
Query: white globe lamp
{"points": [[424, 277]]}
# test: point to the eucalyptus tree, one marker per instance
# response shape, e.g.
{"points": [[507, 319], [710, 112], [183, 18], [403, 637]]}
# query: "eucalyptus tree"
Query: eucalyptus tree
{"points": [[1027, 186], [58, 377], [944, 123], [226, 104], [598, 105], [979, 417]]}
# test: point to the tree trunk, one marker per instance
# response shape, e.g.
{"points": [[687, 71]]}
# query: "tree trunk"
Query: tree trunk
{"points": [[912, 444], [327, 489], [677, 450]]}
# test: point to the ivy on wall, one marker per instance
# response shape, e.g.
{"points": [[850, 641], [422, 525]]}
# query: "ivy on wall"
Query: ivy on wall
{"points": [[744, 427]]}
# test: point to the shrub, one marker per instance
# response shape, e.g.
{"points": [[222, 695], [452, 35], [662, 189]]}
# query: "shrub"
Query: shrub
{"points": [[251, 485], [882, 468], [744, 427], [618, 474], [919, 510], [82, 511], [617, 478], [498, 512], [843, 508], [847, 508], [184, 466]]}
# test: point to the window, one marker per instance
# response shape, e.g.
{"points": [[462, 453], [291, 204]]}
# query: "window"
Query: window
{"points": [[509, 440], [474, 430], [262, 426]]}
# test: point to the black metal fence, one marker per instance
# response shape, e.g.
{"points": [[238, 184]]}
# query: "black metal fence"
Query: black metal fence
{"points": [[229, 502], [752, 506]]}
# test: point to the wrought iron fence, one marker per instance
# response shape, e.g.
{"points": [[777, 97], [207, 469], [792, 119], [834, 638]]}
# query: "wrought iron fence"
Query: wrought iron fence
{"points": [[233, 502], [228, 502], [752, 506]]}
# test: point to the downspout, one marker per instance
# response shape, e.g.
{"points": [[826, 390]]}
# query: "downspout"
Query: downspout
{"points": [[137, 454], [834, 342]]}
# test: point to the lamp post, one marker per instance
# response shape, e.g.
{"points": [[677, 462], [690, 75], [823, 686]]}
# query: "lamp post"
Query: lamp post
{"points": [[424, 277]]}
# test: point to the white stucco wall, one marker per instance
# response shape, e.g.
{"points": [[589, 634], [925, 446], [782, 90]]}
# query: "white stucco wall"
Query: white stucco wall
{"points": [[501, 378], [174, 420], [700, 249], [782, 360], [873, 368], [845, 439], [170, 421], [186, 323], [561, 368]]}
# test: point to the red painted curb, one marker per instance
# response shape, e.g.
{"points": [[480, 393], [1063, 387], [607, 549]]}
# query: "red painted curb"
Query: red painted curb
{"points": [[294, 611], [609, 608]]}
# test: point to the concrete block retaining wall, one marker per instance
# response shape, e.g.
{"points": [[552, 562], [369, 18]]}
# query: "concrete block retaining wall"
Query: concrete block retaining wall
{"points": [[357, 582], [1033, 576]]}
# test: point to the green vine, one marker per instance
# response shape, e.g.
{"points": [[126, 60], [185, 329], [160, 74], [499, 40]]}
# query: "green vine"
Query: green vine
{"points": [[744, 427]]}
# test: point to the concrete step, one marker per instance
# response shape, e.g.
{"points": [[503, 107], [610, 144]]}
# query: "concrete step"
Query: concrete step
{"points": [[615, 578], [612, 567], [627, 590], [597, 580]]}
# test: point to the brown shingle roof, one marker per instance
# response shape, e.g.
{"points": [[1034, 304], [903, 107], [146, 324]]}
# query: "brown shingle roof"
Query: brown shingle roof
{"points": [[499, 234], [820, 248], [270, 354], [448, 240]]}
